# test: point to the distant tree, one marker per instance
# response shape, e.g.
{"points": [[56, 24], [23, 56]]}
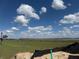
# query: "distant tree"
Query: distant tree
{"points": [[5, 36]]}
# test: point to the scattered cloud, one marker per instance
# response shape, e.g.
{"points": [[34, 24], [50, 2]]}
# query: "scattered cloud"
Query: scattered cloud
{"points": [[58, 4], [22, 19], [43, 10], [37, 32], [40, 28], [74, 26], [11, 33], [14, 29], [43, 32], [68, 33], [47, 32], [70, 19], [11, 30], [26, 13]]}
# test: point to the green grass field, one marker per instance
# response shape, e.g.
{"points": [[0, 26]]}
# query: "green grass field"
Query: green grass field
{"points": [[10, 47]]}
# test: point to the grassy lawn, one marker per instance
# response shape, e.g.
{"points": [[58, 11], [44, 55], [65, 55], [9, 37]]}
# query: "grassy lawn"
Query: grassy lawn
{"points": [[11, 47]]}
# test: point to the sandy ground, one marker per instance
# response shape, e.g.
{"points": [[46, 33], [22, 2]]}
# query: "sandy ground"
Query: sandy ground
{"points": [[55, 55], [25, 55]]}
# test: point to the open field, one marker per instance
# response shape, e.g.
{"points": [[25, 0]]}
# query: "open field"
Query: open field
{"points": [[11, 47]]}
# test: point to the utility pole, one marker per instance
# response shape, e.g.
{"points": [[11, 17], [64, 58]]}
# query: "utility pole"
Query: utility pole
{"points": [[1, 34], [1, 37]]}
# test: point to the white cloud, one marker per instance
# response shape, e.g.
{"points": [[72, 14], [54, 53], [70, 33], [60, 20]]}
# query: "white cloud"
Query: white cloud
{"points": [[43, 10], [14, 29], [11, 30], [11, 33], [28, 11], [74, 26], [40, 28], [70, 19], [58, 4], [47, 32], [22, 19], [37, 32], [68, 33], [31, 32], [65, 33], [43, 32]]}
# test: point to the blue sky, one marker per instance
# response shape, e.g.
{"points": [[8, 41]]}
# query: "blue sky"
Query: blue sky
{"points": [[40, 18]]}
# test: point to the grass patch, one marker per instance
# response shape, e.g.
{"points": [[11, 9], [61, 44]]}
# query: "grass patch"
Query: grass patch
{"points": [[11, 47]]}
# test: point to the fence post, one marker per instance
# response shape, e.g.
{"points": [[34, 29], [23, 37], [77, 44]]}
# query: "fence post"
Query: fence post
{"points": [[51, 56]]}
